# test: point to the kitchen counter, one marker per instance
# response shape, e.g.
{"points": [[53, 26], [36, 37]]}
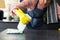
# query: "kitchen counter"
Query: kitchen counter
{"points": [[7, 24], [34, 35], [8, 21]]}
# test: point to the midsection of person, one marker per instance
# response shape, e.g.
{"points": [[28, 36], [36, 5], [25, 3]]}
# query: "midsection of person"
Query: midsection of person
{"points": [[30, 4], [35, 10], [40, 5]]}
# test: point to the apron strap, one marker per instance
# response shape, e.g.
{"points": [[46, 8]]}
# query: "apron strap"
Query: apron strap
{"points": [[36, 3]]}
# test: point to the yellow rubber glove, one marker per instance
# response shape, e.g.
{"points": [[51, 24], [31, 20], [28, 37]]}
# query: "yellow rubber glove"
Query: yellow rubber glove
{"points": [[24, 18]]}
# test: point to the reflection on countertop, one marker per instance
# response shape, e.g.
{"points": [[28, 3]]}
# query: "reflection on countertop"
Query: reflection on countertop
{"points": [[34, 35], [7, 21]]}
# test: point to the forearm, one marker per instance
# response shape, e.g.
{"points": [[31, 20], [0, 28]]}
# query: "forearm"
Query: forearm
{"points": [[22, 4], [47, 3]]}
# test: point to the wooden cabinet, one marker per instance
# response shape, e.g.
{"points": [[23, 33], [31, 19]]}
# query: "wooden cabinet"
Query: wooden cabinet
{"points": [[2, 4]]}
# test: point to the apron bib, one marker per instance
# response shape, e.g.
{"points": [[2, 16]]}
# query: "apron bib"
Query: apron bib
{"points": [[37, 20]]}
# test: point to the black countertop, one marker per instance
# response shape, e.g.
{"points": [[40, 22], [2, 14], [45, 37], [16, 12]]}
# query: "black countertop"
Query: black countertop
{"points": [[34, 35], [9, 21]]}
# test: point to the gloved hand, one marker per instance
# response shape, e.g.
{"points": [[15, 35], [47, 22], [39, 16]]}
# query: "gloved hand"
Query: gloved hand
{"points": [[24, 18]]}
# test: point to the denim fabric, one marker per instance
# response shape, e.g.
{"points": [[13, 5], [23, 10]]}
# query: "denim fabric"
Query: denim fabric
{"points": [[36, 13], [37, 21]]}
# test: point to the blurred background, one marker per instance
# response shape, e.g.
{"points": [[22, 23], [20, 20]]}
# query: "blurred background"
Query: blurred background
{"points": [[5, 7]]}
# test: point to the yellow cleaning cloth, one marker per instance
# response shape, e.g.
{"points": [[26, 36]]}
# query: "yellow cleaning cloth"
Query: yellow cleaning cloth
{"points": [[24, 18]]}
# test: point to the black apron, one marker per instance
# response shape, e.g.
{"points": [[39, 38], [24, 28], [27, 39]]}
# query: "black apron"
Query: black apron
{"points": [[52, 12], [37, 20]]}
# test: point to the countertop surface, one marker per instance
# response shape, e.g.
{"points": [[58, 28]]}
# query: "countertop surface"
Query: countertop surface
{"points": [[36, 35], [7, 21]]}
